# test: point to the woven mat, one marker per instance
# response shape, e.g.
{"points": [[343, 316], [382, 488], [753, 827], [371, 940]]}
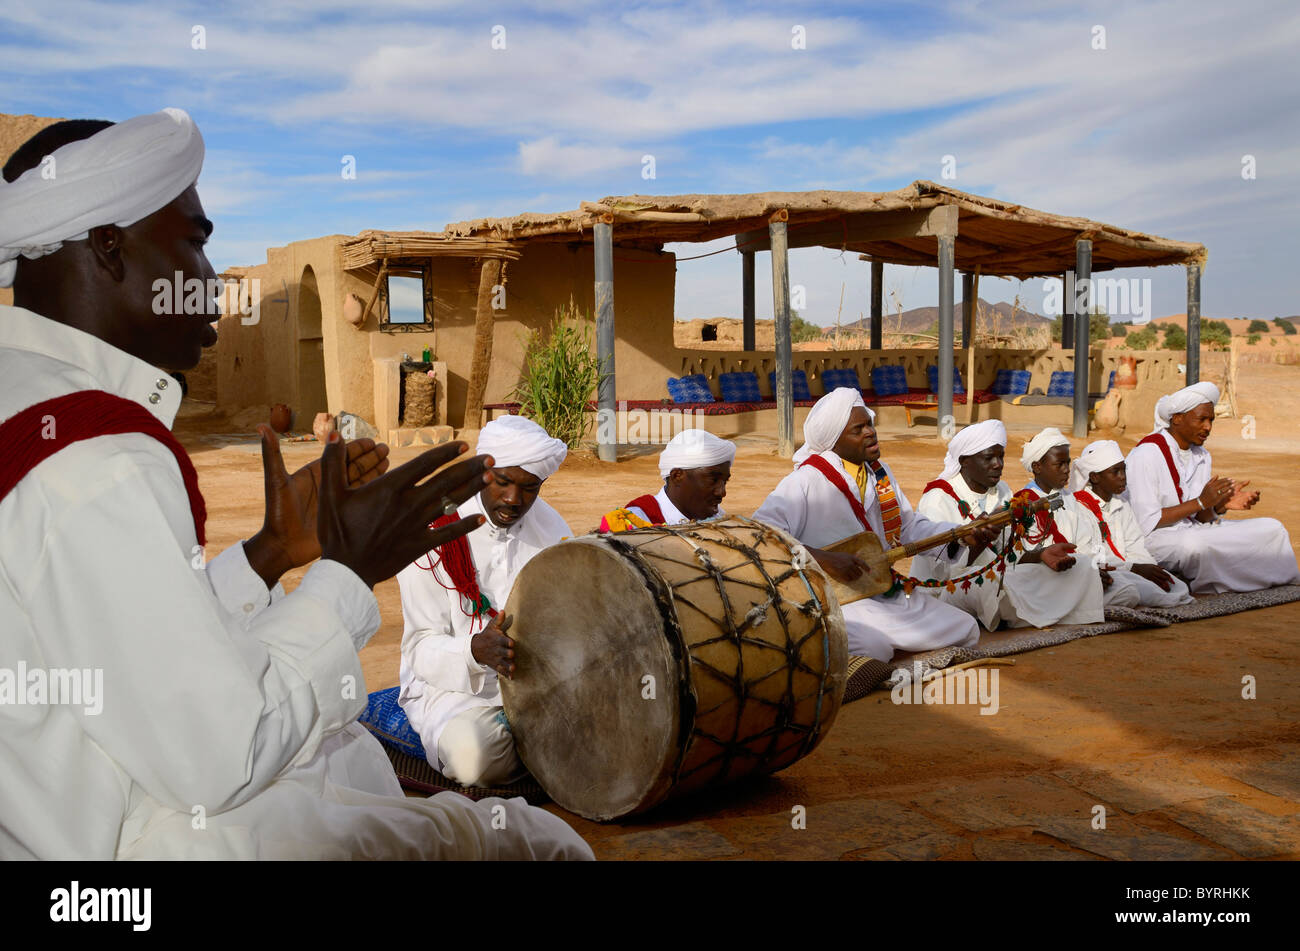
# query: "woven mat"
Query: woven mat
{"points": [[865, 674], [418, 775]]}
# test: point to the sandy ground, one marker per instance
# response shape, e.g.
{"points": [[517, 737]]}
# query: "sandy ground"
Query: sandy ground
{"points": [[1150, 726]]}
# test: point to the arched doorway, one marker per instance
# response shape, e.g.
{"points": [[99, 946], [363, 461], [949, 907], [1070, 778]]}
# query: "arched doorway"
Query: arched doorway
{"points": [[311, 353]]}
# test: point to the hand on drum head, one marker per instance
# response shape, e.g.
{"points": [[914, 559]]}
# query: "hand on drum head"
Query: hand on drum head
{"points": [[841, 566], [492, 648]]}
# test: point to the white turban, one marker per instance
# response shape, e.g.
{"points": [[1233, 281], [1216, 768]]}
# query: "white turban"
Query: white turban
{"points": [[116, 177], [695, 449], [1096, 457], [827, 419], [971, 440], [1040, 445], [1188, 398], [516, 441]]}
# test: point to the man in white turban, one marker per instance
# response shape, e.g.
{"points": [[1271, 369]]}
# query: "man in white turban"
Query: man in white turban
{"points": [[1046, 458], [695, 467], [223, 696], [840, 487], [1046, 585], [454, 641], [1106, 530], [1179, 505]]}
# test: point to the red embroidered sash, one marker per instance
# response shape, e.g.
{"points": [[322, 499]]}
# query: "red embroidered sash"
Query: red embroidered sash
{"points": [[963, 506], [1155, 439], [456, 559], [836, 479], [1085, 498], [649, 505], [1045, 520], [85, 415]]}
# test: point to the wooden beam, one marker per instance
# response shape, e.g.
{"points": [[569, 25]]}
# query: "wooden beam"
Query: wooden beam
{"points": [[374, 293], [489, 276], [863, 226], [747, 299]]}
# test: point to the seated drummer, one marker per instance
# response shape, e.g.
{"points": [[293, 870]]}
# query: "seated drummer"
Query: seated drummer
{"points": [[695, 467], [454, 644]]}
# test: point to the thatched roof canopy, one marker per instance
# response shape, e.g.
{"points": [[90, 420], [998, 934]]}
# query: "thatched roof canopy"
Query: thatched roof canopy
{"points": [[898, 227]]}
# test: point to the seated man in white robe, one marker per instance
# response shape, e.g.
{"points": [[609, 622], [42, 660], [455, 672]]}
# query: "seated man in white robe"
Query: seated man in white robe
{"points": [[840, 487], [695, 467], [1046, 585], [1179, 505], [454, 641], [227, 728], [1107, 531]]}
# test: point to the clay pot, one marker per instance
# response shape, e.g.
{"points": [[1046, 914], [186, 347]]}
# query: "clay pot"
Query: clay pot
{"points": [[1126, 373], [281, 418]]}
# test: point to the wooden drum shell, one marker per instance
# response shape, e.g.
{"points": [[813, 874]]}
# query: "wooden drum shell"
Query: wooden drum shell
{"points": [[656, 662]]}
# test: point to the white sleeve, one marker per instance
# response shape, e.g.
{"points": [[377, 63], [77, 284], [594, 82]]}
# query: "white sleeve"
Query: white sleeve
{"points": [[1135, 544], [432, 648], [917, 526], [240, 589], [787, 507], [197, 709], [1148, 476]]}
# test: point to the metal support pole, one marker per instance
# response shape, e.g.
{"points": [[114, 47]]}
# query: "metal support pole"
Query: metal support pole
{"points": [[747, 298], [967, 309], [1082, 324], [1193, 324], [1067, 309], [781, 317], [947, 250], [877, 302], [606, 434]]}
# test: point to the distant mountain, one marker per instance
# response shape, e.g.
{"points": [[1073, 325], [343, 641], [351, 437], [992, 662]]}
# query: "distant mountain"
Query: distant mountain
{"points": [[921, 319]]}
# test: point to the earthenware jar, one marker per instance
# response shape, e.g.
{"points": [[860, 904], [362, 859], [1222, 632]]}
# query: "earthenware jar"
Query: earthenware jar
{"points": [[281, 418]]}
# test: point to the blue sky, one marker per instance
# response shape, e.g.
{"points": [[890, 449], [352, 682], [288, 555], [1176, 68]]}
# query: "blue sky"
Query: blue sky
{"points": [[1148, 133]]}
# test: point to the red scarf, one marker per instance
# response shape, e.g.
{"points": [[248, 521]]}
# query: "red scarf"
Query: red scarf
{"points": [[962, 505], [1045, 520], [837, 479], [85, 415], [456, 559], [1086, 499], [1155, 439], [648, 504]]}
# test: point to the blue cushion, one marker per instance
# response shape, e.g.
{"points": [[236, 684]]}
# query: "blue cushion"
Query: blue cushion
{"points": [[798, 383], [1111, 382], [1061, 384], [889, 380], [833, 379], [739, 387], [1011, 383], [385, 719], [690, 389], [932, 374]]}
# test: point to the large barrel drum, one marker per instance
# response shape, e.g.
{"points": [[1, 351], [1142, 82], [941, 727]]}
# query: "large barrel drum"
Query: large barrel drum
{"points": [[654, 662]]}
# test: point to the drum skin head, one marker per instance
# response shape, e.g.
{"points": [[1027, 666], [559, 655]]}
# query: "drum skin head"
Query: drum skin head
{"points": [[595, 701]]}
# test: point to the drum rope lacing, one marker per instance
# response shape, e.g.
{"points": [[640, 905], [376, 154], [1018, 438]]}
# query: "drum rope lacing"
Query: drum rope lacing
{"points": [[736, 748]]}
